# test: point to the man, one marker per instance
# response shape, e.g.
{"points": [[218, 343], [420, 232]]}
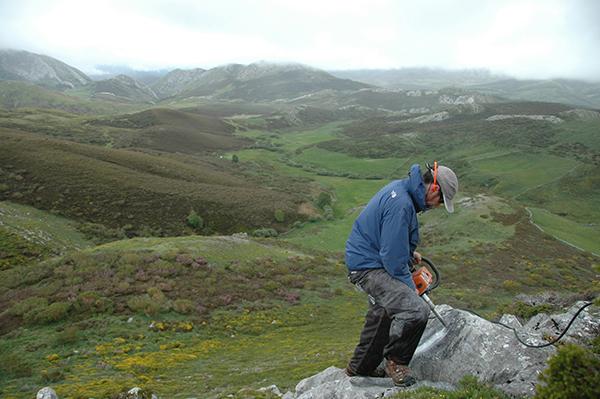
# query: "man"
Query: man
{"points": [[379, 251]]}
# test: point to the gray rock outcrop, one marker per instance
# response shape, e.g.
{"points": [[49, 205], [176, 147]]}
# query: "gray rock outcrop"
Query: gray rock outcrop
{"points": [[470, 345], [548, 118], [333, 383], [46, 393]]}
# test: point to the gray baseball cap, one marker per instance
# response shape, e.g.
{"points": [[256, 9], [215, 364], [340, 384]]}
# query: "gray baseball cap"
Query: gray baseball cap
{"points": [[448, 182]]}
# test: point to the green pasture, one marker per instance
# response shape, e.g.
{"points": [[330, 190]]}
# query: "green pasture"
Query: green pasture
{"points": [[519, 173], [42, 228], [342, 163], [290, 140], [472, 224], [583, 235], [584, 132]]}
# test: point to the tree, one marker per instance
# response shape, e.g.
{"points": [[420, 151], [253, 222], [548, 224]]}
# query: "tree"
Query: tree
{"points": [[194, 220]]}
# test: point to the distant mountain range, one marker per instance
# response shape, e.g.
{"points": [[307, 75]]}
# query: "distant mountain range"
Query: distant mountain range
{"points": [[39, 69], [268, 82], [575, 92], [420, 78]]}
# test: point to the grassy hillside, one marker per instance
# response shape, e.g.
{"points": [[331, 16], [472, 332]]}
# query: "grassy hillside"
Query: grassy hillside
{"points": [[175, 131], [579, 93], [136, 191], [22, 94], [222, 306], [182, 315]]}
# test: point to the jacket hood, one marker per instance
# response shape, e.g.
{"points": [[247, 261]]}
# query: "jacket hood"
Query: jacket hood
{"points": [[416, 188]]}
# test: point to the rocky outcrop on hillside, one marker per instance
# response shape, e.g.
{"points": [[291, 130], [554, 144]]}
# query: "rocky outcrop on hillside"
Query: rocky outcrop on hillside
{"points": [[39, 69], [470, 345], [581, 114], [548, 118], [123, 87], [257, 82], [177, 81]]}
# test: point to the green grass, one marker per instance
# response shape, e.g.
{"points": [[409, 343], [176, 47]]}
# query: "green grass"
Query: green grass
{"points": [[582, 235], [518, 173], [53, 232], [148, 192], [342, 163], [262, 339], [258, 307]]}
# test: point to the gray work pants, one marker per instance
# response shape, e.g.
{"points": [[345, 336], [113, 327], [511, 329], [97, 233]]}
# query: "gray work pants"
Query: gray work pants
{"points": [[394, 324]]}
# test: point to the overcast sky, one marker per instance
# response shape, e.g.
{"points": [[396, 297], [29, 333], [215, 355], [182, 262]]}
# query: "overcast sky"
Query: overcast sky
{"points": [[524, 38]]}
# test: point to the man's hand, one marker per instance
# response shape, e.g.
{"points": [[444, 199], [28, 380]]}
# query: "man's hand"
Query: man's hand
{"points": [[417, 257]]}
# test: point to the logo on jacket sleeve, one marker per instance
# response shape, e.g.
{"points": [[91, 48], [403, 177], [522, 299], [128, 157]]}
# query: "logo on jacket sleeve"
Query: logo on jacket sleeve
{"points": [[393, 194]]}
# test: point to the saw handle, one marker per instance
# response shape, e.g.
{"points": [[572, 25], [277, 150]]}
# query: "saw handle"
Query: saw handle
{"points": [[423, 278]]}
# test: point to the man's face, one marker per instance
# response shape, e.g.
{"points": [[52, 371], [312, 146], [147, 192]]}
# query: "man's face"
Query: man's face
{"points": [[433, 199]]}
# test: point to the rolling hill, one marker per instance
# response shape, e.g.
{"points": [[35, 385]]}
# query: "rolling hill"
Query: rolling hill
{"points": [[39, 69], [263, 82], [574, 92], [139, 192], [175, 131], [121, 88], [16, 94]]}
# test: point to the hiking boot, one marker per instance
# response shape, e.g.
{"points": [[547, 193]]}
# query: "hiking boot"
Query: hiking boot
{"points": [[349, 372], [399, 373]]}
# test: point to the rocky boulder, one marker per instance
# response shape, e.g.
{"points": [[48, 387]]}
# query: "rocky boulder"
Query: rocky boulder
{"points": [[470, 345]]}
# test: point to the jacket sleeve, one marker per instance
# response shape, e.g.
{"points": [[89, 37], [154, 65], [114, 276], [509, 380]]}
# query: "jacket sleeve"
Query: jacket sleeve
{"points": [[395, 249]]}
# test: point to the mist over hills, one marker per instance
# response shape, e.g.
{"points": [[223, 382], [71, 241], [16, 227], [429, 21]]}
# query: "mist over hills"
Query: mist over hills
{"points": [[419, 78], [264, 82], [40, 69]]}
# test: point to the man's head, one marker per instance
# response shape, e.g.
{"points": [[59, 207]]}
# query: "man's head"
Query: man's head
{"points": [[441, 184]]}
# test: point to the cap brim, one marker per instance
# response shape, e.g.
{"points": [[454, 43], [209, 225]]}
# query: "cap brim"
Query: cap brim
{"points": [[448, 204]]}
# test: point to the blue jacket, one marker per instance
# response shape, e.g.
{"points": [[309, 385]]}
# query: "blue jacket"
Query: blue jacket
{"points": [[386, 232]]}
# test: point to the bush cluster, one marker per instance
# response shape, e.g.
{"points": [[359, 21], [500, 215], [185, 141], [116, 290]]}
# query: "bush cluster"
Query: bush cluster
{"points": [[573, 373], [265, 232]]}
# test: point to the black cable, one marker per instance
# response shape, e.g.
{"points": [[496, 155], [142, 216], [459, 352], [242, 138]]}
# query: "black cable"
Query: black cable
{"points": [[542, 345], [436, 283]]}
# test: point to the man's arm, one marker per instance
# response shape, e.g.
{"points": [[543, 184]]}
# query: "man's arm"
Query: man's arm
{"points": [[395, 246]]}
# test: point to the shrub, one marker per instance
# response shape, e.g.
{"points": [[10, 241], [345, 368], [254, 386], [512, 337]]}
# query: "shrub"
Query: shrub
{"points": [[265, 232], [524, 310], [511, 285], [14, 365], [279, 216], [33, 303], [235, 158], [183, 306], [100, 234], [194, 220], [69, 335], [328, 212], [90, 301], [572, 373], [144, 304], [53, 374], [323, 200], [54, 312]]}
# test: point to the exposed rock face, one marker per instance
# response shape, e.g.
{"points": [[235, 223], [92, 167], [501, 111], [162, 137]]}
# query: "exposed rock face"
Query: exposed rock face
{"points": [[582, 114], [437, 117], [40, 69], [333, 383], [547, 118], [469, 346], [124, 87], [46, 393], [585, 327], [474, 346], [177, 81]]}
